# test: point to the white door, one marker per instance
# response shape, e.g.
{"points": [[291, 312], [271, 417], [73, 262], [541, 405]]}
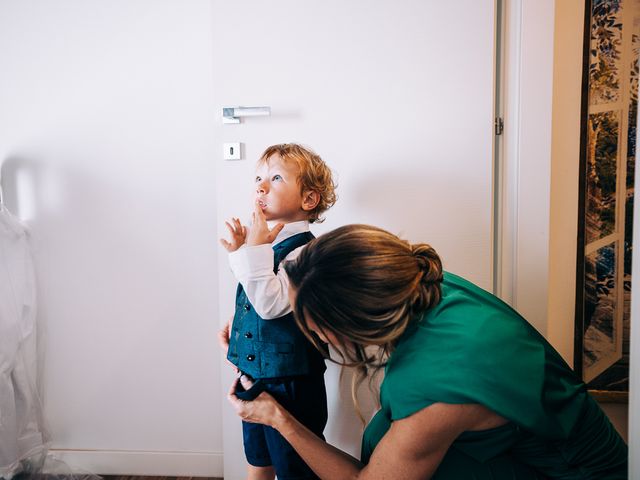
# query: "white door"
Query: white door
{"points": [[397, 97]]}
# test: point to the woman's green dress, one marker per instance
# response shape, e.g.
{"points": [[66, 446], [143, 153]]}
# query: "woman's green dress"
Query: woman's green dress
{"points": [[474, 348]]}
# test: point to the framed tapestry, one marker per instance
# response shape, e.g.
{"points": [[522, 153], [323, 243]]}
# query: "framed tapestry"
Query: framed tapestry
{"points": [[608, 134]]}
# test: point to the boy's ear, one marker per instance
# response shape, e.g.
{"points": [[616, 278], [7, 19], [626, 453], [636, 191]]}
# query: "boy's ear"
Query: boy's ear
{"points": [[310, 200]]}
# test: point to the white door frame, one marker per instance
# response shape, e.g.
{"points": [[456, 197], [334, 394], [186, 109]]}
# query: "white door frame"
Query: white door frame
{"points": [[524, 169]]}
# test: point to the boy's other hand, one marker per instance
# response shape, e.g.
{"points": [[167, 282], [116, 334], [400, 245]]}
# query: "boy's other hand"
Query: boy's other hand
{"points": [[238, 234], [223, 338], [259, 233]]}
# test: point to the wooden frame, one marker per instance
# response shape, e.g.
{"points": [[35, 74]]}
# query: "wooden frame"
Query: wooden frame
{"points": [[607, 163]]}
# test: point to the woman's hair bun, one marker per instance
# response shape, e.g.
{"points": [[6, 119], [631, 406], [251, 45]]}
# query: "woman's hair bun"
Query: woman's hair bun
{"points": [[428, 291], [428, 261]]}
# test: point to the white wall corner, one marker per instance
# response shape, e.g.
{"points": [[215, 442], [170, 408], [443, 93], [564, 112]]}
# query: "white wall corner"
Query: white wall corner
{"points": [[565, 172]]}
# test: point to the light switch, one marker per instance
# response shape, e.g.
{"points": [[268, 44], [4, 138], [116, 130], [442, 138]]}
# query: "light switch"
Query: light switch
{"points": [[232, 151]]}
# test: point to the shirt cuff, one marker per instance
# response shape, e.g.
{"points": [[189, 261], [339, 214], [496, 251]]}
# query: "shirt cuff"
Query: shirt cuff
{"points": [[251, 261]]}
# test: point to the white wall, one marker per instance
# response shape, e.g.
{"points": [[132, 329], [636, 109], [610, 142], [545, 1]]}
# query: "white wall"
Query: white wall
{"points": [[109, 144], [105, 119]]}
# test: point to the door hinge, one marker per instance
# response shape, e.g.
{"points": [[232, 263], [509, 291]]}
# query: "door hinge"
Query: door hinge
{"points": [[499, 125]]}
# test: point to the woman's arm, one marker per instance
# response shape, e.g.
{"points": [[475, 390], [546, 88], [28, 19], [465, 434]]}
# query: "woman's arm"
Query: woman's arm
{"points": [[414, 446], [411, 449]]}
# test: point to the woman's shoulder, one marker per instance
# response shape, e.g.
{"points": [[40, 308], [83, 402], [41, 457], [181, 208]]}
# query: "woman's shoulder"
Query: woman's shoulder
{"points": [[459, 292], [455, 347], [466, 317], [471, 315], [456, 321]]}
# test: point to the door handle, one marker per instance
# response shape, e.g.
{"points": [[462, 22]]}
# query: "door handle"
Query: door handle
{"points": [[233, 114]]}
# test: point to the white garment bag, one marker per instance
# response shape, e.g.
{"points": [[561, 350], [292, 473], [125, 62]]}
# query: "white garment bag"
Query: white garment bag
{"points": [[22, 440]]}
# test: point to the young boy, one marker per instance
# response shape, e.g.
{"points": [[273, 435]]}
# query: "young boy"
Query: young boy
{"points": [[293, 188]]}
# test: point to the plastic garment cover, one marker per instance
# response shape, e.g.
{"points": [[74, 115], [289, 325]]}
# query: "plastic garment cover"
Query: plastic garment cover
{"points": [[22, 440]]}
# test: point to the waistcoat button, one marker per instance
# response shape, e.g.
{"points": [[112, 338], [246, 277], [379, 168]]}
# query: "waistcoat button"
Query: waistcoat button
{"points": [[247, 307], [251, 357], [248, 335]]}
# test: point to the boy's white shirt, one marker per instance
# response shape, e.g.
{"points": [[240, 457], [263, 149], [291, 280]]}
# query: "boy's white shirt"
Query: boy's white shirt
{"points": [[253, 268]]}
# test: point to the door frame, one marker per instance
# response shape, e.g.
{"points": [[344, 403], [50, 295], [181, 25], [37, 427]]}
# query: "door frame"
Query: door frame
{"points": [[523, 162]]}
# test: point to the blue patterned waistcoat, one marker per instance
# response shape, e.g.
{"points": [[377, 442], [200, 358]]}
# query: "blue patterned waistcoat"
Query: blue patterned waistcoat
{"points": [[276, 347]]}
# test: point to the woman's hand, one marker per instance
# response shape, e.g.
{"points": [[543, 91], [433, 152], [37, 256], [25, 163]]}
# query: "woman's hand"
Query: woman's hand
{"points": [[238, 234], [263, 409], [325, 460], [259, 233]]}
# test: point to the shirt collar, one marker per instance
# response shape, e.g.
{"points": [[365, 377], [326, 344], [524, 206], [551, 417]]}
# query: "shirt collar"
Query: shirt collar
{"points": [[290, 229]]}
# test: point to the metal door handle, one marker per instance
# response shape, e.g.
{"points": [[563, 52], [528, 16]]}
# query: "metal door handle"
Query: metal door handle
{"points": [[233, 114]]}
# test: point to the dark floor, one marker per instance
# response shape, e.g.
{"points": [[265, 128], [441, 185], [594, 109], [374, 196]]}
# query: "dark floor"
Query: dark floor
{"points": [[24, 476], [128, 477]]}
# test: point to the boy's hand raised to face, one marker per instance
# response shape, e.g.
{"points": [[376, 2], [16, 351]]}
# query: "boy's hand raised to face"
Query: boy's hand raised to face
{"points": [[259, 232], [238, 234]]}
